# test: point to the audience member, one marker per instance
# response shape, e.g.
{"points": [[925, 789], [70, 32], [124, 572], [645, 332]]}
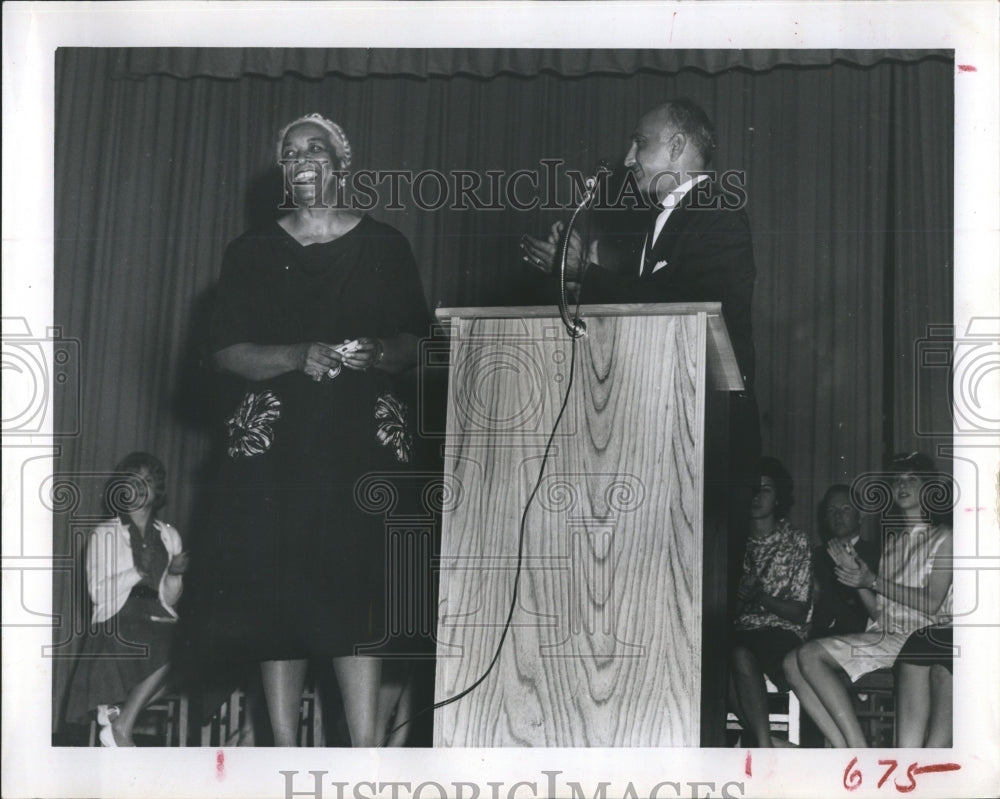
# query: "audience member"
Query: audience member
{"points": [[911, 590], [772, 601]]}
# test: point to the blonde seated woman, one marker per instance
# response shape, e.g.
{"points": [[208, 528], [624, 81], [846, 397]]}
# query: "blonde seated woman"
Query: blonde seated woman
{"points": [[912, 590]]}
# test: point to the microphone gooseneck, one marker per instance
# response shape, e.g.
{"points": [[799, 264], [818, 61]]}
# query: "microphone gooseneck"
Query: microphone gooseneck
{"points": [[574, 325]]}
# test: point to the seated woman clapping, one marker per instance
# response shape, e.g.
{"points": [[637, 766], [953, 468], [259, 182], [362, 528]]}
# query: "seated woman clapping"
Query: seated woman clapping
{"points": [[134, 567], [912, 590]]}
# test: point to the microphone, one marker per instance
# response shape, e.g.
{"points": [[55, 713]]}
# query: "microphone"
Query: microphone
{"points": [[603, 168], [575, 326]]}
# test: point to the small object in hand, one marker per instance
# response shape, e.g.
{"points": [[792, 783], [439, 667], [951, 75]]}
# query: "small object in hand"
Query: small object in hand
{"points": [[332, 372]]}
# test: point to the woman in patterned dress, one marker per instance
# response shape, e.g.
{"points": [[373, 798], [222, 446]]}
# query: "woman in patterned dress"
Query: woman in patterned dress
{"points": [[912, 590], [772, 601], [315, 312]]}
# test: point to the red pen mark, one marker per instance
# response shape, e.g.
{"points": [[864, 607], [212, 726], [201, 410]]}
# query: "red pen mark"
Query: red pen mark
{"points": [[966, 68], [220, 765], [974, 510], [936, 767], [673, 19], [748, 765]]}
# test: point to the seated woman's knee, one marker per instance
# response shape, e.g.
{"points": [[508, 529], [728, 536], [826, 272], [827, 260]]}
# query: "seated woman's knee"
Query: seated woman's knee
{"points": [[810, 655], [742, 659], [790, 666]]}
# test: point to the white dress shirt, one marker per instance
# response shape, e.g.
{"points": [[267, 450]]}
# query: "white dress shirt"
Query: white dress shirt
{"points": [[669, 203]]}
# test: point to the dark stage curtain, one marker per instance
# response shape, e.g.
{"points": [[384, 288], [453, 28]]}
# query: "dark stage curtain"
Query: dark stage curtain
{"points": [[234, 63], [163, 156]]}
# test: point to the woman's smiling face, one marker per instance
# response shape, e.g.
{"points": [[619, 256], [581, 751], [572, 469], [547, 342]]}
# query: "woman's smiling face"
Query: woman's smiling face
{"points": [[906, 491], [310, 158]]}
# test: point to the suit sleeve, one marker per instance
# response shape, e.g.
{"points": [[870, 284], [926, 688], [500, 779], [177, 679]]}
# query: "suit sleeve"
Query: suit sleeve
{"points": [[711, 260]]}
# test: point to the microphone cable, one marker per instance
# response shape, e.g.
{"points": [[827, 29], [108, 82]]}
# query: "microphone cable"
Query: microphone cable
{"points": [[576, 328], [520, 555]]}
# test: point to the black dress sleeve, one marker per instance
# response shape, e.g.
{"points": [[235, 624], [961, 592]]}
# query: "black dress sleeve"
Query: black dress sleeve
{"points": [[404, 309], [233, 313]]}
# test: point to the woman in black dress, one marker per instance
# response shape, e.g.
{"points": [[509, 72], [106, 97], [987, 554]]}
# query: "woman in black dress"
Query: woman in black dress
{"points": [[315, 312]]}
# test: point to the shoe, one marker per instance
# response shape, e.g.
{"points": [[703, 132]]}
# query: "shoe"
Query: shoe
{"points": [[107, 737], [107, 713]]}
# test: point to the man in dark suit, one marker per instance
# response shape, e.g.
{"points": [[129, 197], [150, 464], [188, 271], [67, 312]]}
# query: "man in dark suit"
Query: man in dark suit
{"points": [[694, 246], [838, 609]]}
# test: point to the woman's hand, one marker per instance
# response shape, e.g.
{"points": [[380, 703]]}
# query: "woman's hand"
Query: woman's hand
{"points": [[748, 591], [179, 563], [319, 360], [855, 574], [841, 553], [366, 353]]}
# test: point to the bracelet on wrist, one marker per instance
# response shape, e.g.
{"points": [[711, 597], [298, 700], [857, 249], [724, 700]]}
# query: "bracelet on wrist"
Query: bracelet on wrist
{"points": [[381, 352]]}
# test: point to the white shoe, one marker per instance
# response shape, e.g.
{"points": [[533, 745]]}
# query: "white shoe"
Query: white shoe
{"points": [[107, 737], [107, 713]]}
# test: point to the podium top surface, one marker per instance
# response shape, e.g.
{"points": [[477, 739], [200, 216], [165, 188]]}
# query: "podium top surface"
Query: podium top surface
{"points": [[724, 371], [610, 309]]}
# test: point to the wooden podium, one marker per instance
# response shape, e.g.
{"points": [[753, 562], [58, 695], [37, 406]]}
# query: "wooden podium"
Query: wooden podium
{"points": [[615, 635]]}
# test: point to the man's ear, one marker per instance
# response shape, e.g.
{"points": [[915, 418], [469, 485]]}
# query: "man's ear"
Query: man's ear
{"points": [[677, 144]]}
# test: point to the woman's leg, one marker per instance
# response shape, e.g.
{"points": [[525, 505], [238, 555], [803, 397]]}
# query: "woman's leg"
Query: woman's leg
{"points": [[939, 730], [751, 693], [283, 681], [734, 702], [913, 704], [395, 704], [140, 696], [359, 679], [808, 699], [822, 673]]}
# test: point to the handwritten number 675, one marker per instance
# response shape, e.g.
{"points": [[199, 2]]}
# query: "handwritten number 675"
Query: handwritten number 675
{"points": [[853, 777]]}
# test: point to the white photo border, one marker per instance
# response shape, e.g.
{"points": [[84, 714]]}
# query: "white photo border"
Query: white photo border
{"points": [[32, 32]]}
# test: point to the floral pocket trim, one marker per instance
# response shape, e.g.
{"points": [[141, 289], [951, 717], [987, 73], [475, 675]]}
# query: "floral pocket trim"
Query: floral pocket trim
{"points": [[392, 431], [250, 427]]}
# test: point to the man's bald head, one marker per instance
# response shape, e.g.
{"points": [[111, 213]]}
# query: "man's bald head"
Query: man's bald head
{"points": [[687, 117]]}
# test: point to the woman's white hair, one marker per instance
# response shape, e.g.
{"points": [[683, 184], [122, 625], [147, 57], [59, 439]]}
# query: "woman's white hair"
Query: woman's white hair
{"points": [[337, 136]]}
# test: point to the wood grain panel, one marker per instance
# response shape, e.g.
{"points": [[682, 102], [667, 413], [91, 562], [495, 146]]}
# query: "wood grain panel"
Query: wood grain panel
{"points": [[604, 647]]}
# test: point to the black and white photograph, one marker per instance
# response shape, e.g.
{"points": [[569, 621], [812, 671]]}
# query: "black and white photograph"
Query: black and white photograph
{"points": [[549, 399]]}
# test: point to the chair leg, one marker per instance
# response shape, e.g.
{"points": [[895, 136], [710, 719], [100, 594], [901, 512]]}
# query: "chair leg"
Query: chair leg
{"points": [[182, 720], [317, 719], [794, 719]]}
